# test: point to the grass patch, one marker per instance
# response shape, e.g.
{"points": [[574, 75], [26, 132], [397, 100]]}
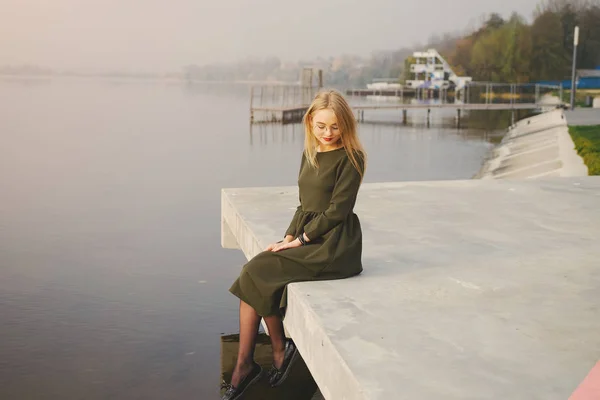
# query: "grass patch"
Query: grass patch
{"points": [[587, 143]]}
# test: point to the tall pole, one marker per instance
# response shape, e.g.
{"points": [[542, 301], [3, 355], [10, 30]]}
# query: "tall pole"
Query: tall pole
{"points": [[573, 84]]}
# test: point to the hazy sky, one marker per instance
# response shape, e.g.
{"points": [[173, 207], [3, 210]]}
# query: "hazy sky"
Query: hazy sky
{"points": [[160, 35]]}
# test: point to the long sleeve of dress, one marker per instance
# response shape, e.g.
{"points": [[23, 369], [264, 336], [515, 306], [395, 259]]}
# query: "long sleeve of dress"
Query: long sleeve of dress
{"points": [[342, 202], [291, 230]]}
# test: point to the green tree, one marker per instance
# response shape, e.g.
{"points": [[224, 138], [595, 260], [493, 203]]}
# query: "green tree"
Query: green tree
{"points": [[586, 15], [495, 21], [549, 58], [486, 56], [503, 54], [515, 37], [589, 39], [460, 58]]}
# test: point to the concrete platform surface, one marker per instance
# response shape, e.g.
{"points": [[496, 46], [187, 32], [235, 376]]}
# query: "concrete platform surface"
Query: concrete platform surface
{"points": [[478, 289], [583, 116]]}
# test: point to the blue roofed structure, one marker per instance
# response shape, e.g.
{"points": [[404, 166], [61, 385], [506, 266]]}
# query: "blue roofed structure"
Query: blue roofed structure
{"points": [[586, 79]]}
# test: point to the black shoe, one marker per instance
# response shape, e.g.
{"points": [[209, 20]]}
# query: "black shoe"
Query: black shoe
{"points": [[234, 393], [278, 375]]}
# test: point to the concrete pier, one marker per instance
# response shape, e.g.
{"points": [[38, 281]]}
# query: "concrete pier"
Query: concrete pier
{"points": [[536, 147], [480, 289]]}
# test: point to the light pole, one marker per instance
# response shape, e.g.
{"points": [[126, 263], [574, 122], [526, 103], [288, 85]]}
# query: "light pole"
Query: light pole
{"points": [[573, 84]]}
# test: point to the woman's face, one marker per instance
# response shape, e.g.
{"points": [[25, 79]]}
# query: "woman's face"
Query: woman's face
{"points": [[326, 130]]}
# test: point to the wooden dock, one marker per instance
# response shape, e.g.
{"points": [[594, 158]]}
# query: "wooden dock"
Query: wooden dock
{"points": [[288, 104], [281, 103], [289, 115]]}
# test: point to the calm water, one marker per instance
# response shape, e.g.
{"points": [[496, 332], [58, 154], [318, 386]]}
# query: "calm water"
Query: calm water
{"points": [[113, 284]]}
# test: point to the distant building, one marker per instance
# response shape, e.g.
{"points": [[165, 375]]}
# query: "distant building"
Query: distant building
{"points": [[432, 71], [585, 79], [588, 79]]}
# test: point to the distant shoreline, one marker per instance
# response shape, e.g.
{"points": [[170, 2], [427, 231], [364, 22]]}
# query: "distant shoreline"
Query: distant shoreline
{"points": [[164, 78]]}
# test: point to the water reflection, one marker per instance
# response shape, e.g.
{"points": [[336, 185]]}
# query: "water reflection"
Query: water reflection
{"points": [[216, 89], [265, 133], [373, 131], [494, 120], [298, 386]]}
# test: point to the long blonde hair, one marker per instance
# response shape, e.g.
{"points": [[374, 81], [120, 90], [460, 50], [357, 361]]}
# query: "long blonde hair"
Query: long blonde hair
{"points": [[334, 101]]}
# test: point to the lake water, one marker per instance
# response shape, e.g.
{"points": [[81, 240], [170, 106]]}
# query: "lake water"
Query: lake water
{"points": [[113, 284]]}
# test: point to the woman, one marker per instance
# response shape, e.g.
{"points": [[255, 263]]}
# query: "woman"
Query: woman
{"points": [[323, 241]]}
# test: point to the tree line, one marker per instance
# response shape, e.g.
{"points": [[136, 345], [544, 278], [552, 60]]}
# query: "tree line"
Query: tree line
{"points": [[500, 50], [514, 51]]}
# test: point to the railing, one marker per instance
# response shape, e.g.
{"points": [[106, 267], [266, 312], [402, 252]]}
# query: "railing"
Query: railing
{"points": [[509, 93], [473, 93], [281, 96], [278, 102], [287, 103]]}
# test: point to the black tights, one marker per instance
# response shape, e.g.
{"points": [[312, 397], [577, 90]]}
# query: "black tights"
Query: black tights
{"points": [[249, 322]]}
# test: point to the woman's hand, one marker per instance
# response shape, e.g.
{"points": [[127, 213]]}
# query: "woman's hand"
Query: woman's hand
{"points": [[286, 245], [286, 240]]}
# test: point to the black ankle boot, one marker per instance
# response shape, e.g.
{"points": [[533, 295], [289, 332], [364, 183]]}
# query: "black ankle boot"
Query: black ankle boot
{"points": [[278, 375], [234, 393]]}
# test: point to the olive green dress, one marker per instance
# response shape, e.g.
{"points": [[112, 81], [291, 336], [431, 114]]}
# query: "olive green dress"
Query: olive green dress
{"points": [[325, 214]]}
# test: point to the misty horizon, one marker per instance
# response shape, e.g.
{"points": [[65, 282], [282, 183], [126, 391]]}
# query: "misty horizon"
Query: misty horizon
{"points": [[155, 36]]}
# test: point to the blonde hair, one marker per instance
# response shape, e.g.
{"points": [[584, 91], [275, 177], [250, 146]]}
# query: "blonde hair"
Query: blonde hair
{"points": [[334, 101]]}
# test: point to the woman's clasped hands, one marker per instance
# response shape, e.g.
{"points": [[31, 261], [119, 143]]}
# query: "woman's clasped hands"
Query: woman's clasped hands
{"points": [[288, 243]]}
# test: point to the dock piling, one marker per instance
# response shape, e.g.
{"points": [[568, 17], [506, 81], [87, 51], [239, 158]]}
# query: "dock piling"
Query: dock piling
{"points": [[251, 102]]}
